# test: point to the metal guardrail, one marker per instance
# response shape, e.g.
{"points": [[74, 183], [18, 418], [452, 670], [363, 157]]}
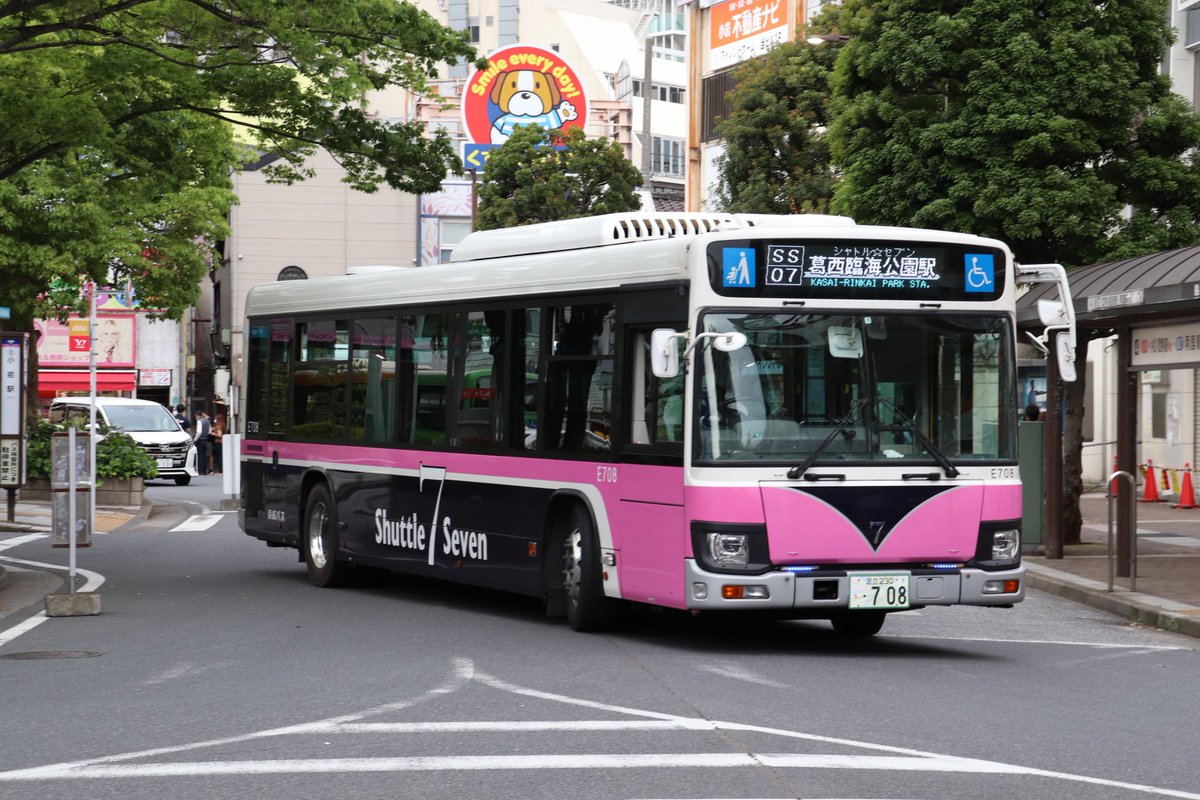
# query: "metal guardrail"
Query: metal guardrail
{"points": [[1132, 526]]}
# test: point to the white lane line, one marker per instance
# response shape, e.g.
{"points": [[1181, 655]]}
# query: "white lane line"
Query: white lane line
{"points": [[8, 544], [197, 522], [527, 762], [985, 639], [93, 582]]}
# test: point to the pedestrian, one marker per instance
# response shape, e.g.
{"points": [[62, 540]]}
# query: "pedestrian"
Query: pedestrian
{"points": [[218, 432], [181, 417], [202, 437]]}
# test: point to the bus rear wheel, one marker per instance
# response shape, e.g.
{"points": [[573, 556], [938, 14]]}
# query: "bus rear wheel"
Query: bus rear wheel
{"points": [[320, 540], [587, 607], [858, 623]]}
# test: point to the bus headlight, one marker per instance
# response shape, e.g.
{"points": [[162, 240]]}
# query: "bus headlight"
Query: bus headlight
{"points": [[999, 545], [1005, 545], [730, 547]]}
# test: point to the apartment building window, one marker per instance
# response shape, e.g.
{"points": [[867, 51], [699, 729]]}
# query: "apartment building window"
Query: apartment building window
{"points": [[473, 27], [667, 156], [662, 92]]}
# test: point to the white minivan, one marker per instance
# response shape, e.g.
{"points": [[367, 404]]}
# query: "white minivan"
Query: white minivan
{"points": [[149, 424]]}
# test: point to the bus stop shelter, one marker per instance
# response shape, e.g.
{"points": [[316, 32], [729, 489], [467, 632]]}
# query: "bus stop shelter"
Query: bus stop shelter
{"points": [[1152, 305]]}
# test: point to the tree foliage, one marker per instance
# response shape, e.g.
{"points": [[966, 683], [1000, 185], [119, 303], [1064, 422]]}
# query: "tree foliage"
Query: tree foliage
{"points": [[776, 158], [1037, 124], [530, 180], [118, 139]]}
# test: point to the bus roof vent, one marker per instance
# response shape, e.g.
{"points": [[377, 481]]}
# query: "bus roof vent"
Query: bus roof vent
{"points": [[575, 234]]}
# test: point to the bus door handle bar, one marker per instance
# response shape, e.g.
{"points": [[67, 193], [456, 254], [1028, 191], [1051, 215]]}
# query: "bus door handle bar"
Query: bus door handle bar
{"points": [[922, 476], [828, 476]]}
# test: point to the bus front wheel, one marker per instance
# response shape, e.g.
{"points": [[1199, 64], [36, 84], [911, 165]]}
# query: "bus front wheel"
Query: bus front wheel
{"points": [[320, 540], [587, 607], [858, 623]]}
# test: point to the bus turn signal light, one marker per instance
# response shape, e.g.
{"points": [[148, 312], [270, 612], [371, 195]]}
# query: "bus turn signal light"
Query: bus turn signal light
{"points": [[738, 592]]}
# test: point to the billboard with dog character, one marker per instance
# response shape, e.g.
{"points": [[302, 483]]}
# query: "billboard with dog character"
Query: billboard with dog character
{"points": [[522, 85]]}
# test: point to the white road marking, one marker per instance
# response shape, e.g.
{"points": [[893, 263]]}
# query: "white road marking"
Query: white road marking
{"points": [[986, 639], [19, 540], [739, 674], [885, 757], [197, 522], [93, 582]]}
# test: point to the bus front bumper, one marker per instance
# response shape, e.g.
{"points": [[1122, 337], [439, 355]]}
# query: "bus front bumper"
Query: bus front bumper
{"points": [[812, 591]]}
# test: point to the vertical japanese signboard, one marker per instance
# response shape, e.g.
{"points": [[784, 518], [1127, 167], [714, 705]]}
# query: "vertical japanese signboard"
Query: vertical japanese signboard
{"points": [[743, 29], [13, 352]]}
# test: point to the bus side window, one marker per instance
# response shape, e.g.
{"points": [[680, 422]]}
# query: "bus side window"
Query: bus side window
{"points": [[320, 382], [421, 378], [373, 384], [579, 386], [656, 404], [479, 369]]}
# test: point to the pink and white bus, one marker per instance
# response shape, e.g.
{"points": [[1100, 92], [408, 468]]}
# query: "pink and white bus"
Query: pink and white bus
{"points": [[795, 415]]}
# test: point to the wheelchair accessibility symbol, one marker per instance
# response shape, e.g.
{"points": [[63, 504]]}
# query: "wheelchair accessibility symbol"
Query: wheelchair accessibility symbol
{"points": [[980, 272]]}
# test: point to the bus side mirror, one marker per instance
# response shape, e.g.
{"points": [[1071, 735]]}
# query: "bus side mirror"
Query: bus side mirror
{"points": [[664, 355], [1064, 351]]}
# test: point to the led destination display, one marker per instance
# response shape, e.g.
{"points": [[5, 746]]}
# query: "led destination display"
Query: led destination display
{"points": [[856, 270]]}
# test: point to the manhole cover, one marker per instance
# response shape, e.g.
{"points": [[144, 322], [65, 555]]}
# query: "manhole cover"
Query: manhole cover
{"points": [[50, 654]]}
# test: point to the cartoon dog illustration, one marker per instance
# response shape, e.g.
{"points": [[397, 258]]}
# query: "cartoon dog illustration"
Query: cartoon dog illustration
{"points": [[527, 97]]}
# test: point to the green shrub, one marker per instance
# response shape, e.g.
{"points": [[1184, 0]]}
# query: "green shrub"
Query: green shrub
{"points": [[117, 455]]}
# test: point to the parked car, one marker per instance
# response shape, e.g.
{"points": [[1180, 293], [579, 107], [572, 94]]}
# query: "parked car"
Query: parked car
{"points": [[150, 424]]}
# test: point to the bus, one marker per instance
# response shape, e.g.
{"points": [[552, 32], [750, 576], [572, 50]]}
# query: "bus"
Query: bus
{"points": [[793, 415]]}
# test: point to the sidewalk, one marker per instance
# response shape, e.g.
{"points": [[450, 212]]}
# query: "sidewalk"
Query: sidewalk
{"points": [[1168, 580], [1168, 567]]}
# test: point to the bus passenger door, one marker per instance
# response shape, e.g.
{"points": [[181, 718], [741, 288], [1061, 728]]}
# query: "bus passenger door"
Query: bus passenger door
{"points": [[652, 530], [267, 398]]}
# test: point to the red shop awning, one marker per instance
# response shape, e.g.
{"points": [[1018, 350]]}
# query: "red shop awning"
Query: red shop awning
{"points": [[51, 382]]}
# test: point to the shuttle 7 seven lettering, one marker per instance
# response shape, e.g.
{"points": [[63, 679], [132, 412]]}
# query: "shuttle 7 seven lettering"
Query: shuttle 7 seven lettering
{"points": [[409, 533]]}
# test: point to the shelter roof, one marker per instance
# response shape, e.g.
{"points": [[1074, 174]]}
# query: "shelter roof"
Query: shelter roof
{"points": [[1158, 286]]}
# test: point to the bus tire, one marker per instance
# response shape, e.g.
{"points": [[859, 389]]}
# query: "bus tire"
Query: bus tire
{"points": [[587, 607], [858, 624], [319, 540]]}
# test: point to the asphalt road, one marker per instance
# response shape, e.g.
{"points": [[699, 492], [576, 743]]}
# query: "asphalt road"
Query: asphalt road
{"points": [[217, 671]]}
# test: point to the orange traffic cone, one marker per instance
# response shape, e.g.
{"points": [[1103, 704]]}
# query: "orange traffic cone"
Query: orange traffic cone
{"points": [[1150, 494], [1187, 498]]}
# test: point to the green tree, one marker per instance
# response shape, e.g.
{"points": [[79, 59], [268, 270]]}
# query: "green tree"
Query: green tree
{"points": [[1047, 125], [529, 180], [117, 145], [1035, 123], [776, 158]]}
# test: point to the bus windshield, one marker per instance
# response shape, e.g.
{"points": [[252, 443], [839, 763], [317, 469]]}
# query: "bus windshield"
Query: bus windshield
{"points": [[826, 388]]}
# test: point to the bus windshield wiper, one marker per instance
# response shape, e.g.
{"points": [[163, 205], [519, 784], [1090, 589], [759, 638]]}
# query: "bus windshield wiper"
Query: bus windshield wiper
{"points": [[841, 427], [938, 455]]}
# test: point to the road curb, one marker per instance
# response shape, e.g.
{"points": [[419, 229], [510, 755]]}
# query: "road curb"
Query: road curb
{"points": [[1139, 608]]}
